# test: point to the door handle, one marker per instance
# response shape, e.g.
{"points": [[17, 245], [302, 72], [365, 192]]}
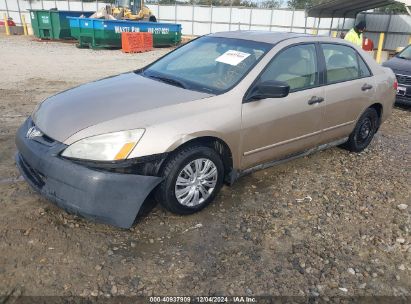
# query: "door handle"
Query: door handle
{"points": [[315, 100], [366, 87]]}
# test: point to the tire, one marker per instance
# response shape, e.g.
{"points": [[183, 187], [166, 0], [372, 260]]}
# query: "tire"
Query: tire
{"points": [[363, 132], [178, 167]]}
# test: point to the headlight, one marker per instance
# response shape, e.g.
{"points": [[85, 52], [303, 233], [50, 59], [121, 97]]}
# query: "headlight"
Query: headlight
{"points": [[105, 147]]}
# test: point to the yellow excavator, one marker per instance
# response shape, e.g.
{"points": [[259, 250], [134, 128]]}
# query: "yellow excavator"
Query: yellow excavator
{"points": [[125, 10]]}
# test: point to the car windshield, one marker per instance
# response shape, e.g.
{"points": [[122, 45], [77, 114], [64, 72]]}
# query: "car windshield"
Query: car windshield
{"points": [[405, 54], [208, 64]]}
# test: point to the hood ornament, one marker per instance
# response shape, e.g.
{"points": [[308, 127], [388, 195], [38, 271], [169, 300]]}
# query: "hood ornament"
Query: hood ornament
{"points": [[33, 132]]}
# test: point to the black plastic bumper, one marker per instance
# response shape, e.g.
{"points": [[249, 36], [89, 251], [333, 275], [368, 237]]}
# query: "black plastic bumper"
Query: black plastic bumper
{"points": [[405, 100], [107, 197]]}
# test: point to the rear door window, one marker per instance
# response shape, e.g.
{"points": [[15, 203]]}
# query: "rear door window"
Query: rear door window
{"points": [[343, 63], [364, 70]]}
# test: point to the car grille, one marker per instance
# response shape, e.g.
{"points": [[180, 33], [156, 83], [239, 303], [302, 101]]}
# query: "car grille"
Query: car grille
{"points": [[35, 177], [403, 79]]}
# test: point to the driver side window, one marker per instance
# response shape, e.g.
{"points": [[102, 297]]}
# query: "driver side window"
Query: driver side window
{"points": [[297, 66]]}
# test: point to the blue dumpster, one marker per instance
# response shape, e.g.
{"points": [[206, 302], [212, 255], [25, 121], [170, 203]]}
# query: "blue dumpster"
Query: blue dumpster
{"points": [[101, 33]]}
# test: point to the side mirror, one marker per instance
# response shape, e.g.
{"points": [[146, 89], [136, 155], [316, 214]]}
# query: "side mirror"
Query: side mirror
{"points": [[269, 89]]}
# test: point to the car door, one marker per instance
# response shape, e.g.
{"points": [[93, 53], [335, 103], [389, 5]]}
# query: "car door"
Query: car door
{"points": [[275, 128], [349, 89]]}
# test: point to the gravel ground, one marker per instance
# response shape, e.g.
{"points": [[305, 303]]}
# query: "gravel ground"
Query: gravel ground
{"points": [[330, 224]]}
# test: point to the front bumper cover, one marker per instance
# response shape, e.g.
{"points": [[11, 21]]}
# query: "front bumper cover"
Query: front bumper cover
{"points": [[108, 197], [406, 100]]}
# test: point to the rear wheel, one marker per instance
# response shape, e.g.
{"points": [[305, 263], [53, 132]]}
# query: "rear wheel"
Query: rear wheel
{"points": [[192, 178], [363, 132]]}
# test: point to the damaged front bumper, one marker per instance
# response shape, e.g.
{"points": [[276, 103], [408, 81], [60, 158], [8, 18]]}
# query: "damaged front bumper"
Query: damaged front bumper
{"points": [[101, 195]]}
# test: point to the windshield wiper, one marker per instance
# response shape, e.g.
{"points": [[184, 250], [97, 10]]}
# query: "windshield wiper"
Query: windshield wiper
{"points": [[402, 57], [170, 81]]}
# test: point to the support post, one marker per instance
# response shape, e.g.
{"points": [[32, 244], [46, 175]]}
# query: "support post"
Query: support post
{"points": [[6, 24], [23, 20], [18, 8], [338, 27], [175, 12], [192, 21], [314, 31], [331, 27], [380, 45], [292, 20], [271, 19], [211, 19], [7, 8], [251, 18], [231, 12], [305, 26], [318, 26]]}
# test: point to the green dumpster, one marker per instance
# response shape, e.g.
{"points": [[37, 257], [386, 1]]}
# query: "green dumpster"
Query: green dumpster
{"points": [[53, 24]]}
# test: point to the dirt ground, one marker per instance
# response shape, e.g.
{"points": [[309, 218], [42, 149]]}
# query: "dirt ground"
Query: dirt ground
{"points": [[352, 238]]}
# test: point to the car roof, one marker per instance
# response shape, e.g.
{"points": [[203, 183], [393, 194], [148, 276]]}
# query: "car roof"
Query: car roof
{"points": [[260, 36]]}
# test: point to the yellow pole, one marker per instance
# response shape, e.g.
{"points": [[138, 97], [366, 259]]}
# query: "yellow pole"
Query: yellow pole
{"points": [[409, 41], [334, 34], [23, 19], [380, 45], [6, 25], [314, 32]]}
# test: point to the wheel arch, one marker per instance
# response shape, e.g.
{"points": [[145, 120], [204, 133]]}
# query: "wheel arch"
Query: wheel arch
{"points": [[214, 142], [376, 106], [379, 108]]}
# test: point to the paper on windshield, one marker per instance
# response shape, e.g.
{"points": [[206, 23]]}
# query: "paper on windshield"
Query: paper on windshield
{"points": [[232, 57]]}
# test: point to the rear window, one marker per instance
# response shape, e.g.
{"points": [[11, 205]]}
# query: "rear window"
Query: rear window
{"points": [[297, 66]]}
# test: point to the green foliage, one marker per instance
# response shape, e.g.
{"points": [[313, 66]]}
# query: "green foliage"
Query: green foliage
{"points": [[303, 4], [270, 4], [397, 8], [300, 4]]}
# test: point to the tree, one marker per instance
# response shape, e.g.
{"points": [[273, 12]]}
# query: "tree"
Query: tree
{"points": [[303, 4], [300, 4], [397, 8], [271, 4]]}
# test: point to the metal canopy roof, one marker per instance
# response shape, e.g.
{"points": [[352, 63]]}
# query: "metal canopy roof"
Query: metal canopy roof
{"points": [[345, 8]]}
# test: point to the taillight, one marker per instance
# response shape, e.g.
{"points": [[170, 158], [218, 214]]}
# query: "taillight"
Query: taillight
{"points": [[395, 85]]}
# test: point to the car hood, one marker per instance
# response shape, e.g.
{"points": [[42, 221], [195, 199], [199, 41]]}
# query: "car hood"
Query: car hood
{"points": [[71, 111], [399, 65]]}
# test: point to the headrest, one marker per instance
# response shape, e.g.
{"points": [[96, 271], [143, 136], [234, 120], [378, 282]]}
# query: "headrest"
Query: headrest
{"points": [[337, 61]]}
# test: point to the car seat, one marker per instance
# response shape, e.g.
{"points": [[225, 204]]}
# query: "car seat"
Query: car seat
{"points": [[338, 68]]}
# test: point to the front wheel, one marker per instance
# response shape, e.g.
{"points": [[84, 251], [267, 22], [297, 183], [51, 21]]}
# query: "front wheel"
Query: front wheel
{"points": [[192, 178], [363, 132]]}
